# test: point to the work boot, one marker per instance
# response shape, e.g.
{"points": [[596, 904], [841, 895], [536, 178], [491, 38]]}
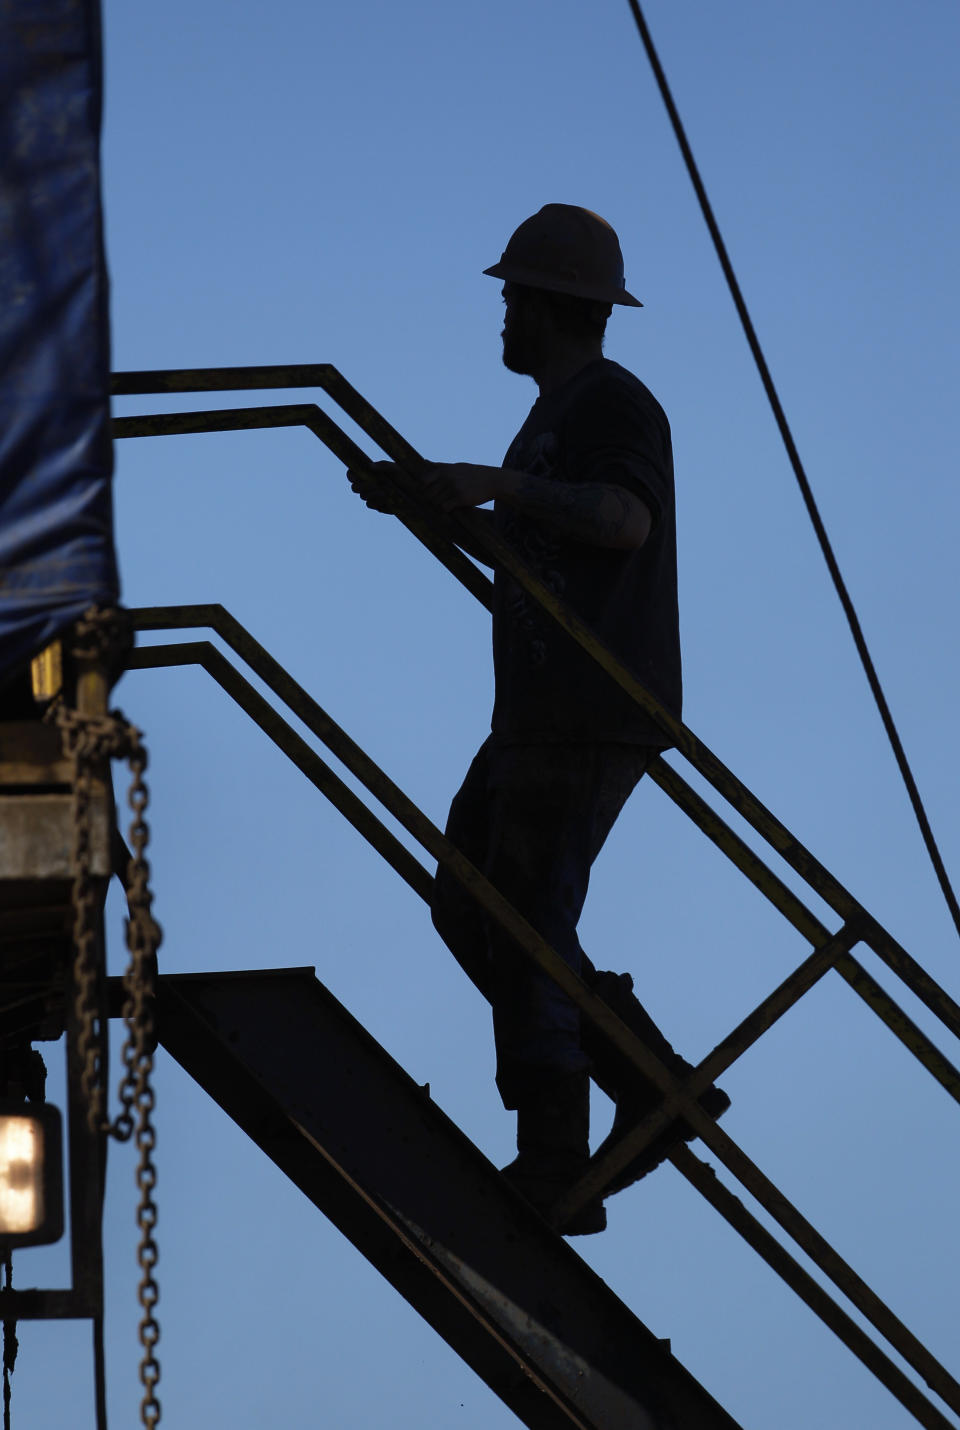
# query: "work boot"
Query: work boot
{"points": [[553, 1128], [634, 1095]]}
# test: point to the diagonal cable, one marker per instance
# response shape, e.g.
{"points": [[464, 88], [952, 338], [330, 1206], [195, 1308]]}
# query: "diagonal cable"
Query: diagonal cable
{"points": [[840, 586]]}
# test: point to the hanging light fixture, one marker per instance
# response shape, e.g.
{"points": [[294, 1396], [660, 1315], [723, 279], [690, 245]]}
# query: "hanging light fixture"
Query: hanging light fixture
{"points": [[31, 1174]]}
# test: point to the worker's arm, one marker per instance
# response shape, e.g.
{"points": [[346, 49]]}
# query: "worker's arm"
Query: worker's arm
{"points": [[597, 513], [379, 497]]}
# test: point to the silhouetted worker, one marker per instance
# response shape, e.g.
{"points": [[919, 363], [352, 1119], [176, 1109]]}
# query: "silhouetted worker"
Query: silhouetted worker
{"points": [[585, 496]]}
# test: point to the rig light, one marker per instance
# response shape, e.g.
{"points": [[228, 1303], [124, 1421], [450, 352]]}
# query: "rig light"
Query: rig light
{"points": [[31, 1178]]}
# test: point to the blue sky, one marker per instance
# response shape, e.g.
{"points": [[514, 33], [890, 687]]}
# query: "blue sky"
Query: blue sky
{"points": [[297, 183]]}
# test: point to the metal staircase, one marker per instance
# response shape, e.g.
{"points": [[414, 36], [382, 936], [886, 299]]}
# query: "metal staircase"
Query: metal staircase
{"points": [[371, 1150], [439, 1254]]}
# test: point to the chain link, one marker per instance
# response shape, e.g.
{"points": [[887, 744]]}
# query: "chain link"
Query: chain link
{"points": [[148, 1292], [91, 741], [136, 1090]]}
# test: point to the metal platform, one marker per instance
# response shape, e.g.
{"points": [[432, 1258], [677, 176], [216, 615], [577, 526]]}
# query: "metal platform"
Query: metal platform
{"points": [[368, 1146]]}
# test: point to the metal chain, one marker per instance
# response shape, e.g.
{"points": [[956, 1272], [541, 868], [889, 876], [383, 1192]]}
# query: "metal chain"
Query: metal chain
{"points": [[148, 1292], [136, 1090], [89, 740], [102, 635], [82, 745], [143, 939]]}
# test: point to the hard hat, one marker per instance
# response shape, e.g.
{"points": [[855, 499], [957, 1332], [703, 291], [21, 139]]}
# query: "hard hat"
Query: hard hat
{"points": [[566, 249]]}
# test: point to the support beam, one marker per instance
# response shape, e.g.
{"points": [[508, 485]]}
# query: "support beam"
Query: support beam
{"points": [[290, 1065]]}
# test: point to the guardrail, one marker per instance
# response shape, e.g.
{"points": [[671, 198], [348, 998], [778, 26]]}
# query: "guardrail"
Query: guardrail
{"points": [[830, 950]]}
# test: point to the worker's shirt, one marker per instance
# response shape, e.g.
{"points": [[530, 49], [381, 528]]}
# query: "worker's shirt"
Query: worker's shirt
{"points": [[602, 426]]}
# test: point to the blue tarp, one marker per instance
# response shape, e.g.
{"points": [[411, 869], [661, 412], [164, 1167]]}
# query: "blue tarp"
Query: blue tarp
{"points": [[56, 519]]}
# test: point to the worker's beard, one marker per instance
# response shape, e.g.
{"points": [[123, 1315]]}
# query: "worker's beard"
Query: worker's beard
{"points": [[516, 355], [519, 342]]}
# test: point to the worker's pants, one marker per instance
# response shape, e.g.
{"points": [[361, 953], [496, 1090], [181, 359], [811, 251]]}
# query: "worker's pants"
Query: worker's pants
{"points": [[532, 818]]}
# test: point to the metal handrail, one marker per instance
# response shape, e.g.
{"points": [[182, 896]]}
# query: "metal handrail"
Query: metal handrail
{"points": [[440, 535], [739, 853], [679, 1095], [443, 532]]}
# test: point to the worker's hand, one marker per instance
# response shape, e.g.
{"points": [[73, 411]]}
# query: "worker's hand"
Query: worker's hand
{"points": [[378, 496], [451, 485]]}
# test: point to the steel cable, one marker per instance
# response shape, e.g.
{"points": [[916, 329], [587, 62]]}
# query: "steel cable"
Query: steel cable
{"points": [[798, 468]]}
